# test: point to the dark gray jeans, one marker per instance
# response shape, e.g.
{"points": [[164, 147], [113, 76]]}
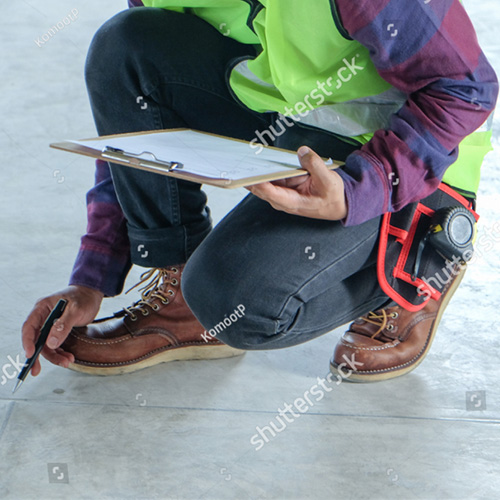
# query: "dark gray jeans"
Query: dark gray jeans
{"points": [[296, 278]]}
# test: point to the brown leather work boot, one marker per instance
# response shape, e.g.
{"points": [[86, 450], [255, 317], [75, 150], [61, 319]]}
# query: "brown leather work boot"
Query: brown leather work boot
{"points": [[390, 342], [158, 328]]}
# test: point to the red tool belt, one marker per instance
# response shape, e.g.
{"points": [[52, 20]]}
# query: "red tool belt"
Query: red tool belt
{"points": [[400, 237]]}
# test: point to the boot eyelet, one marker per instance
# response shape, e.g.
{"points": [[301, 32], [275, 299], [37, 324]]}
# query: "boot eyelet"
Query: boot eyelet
{"points": [[395, 315], [156, 307], [165, 301], [389, 328], [133, 318], [171, 292], [175, 281], [145, 313], [175, 270]]}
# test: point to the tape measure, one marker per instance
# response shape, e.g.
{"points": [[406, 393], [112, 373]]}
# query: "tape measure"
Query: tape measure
{"points": [[451, 233]]}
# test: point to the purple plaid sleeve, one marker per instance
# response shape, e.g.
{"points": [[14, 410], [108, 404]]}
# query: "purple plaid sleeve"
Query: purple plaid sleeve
{"points": [[103, 260], [435, 59]]}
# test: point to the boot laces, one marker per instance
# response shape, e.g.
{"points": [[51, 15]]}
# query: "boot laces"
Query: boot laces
{"points": [[155, 287], [381, 319]]}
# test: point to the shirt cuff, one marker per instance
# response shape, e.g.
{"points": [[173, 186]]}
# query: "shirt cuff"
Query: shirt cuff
{"points": [[101, 271], [366, 188]]}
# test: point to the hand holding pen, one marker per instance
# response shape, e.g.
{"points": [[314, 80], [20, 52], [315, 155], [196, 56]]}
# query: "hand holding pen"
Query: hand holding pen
{"points": [[55, 314], [83, 304]]}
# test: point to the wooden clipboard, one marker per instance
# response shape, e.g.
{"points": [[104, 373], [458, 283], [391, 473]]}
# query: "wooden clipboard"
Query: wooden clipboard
{"points": [[236, 154]]}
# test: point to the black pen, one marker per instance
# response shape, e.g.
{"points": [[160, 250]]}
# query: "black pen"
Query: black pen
{"points": [[56, 313]]}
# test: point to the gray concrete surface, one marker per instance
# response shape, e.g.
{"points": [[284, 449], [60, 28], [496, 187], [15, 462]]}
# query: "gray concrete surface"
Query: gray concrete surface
{"points": [[182, 430]]}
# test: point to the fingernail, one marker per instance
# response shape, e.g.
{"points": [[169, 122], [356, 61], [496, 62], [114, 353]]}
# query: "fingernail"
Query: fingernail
{"points": [[303, 150], [52, 343]]}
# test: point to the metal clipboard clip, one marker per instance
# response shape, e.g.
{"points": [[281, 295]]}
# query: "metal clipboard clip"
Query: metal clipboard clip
{"points": [[137, 160]]}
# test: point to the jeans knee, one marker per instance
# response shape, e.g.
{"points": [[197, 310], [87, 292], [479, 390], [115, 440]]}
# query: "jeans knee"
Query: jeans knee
{"points": [[117, 40], [201, 293], [223, 316]]}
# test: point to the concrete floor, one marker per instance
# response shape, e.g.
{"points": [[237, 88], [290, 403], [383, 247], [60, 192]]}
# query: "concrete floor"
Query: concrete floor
{"points": [[182, 430]]}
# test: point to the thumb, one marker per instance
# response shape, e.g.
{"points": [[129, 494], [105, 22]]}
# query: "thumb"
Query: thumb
{"points": [[315, 165], [60, 329]]}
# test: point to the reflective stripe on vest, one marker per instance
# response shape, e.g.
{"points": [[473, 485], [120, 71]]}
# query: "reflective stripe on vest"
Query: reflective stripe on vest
{"points": [[350, 118]]}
